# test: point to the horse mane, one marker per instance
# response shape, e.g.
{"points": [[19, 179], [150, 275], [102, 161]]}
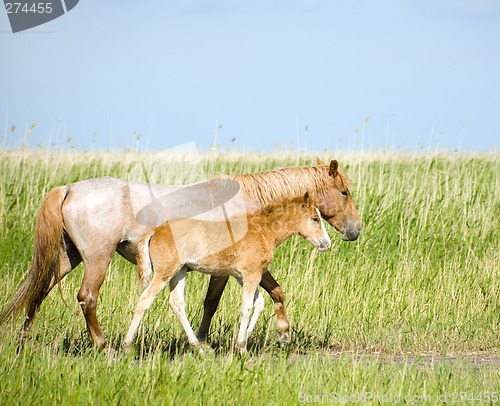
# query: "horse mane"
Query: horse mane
{"points": [[290, 201], [276, 185]]}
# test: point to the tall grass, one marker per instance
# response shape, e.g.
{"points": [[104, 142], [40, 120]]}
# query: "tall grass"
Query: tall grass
{"points": [[422, 279]]}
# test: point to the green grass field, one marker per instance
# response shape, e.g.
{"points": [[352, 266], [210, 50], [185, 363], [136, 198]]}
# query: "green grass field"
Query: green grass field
{"points": [[409, 312]]}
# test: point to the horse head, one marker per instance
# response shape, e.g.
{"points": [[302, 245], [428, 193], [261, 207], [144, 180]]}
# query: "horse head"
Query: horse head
{"points": [[311, 227], [337, 206]]}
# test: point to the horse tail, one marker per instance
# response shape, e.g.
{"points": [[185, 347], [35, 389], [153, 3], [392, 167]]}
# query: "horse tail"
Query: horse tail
{"points": [[45, 263], [144, 265]]}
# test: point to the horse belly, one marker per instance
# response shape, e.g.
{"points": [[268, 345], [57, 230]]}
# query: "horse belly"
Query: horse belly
{"points": [[213, 268]]}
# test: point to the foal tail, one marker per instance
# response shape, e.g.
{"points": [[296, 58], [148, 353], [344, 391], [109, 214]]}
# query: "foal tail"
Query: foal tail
{"points": [[144, 265], [45, 263]]}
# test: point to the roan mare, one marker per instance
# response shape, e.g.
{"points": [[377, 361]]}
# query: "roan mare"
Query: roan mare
{"points": [[168, 254], [89, 220]]}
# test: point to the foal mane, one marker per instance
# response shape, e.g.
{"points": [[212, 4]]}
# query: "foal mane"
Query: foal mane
{"points": [[270, 208], [268, 187]]}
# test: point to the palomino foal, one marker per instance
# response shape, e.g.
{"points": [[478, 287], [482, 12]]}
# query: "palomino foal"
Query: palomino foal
{"points": [[169, 258]]}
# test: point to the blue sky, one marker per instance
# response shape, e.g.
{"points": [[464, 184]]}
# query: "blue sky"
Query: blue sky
{"points": [[256, 75]]}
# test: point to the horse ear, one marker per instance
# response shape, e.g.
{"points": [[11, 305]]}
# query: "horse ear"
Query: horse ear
{"points": [[319, 161], [306, 199], [334, 167]]}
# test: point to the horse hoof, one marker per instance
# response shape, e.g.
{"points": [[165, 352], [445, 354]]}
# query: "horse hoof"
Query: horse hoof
{"points": [[126, 348], [204, 349], [284, 338], [110, 353], [242, 349]]}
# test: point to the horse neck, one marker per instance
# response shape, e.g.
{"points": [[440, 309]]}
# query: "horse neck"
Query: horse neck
{"points": [[266, 187], [287, 218]]}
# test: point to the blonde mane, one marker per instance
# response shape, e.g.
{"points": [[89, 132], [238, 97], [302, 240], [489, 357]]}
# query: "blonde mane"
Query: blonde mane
{"points": [[277, 185]]}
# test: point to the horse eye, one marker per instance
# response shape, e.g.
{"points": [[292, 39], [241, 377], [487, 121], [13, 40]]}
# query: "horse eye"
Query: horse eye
{"points": [[315, 219], [345, 192]]}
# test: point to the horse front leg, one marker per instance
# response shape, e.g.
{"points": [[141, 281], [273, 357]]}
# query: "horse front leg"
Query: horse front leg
{"points": [[258, 307], [274, 289], [249, 294], [214, 293]]}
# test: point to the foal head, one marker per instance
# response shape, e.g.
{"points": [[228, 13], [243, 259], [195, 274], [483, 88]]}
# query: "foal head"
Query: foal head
{"points": [[310, 226], [337, 206]]}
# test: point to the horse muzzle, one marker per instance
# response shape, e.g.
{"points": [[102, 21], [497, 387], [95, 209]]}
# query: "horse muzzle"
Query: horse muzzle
{"points": [[323, 245], [351, 233]]}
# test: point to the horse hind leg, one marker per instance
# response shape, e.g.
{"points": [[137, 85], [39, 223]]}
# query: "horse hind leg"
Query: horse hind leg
{"points": [[176, 301], [145, 301], [93, 277]]}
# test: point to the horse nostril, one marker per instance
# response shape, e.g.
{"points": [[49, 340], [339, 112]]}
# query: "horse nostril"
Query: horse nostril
{"points": [[352, 234]]}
